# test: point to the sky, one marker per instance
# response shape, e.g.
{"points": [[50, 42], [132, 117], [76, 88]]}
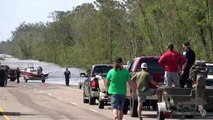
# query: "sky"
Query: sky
{"points": [[15, 12]]}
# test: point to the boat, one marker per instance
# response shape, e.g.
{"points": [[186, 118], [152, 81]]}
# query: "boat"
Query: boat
{"points": [[29, 73]]}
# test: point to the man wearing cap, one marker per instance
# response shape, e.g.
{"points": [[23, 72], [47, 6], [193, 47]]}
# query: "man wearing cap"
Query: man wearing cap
{"points": [[116, 86], [172, 61], [142, 80]]}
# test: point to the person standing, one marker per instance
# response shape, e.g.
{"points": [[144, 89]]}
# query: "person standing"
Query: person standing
{"points": [[18, 72], [142, 80], [67, 75], [190, 60], [172, 61], [116, 86]]}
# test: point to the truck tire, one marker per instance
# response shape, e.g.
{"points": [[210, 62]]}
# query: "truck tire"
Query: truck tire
{"points": [[84, 98], [133, 107], [79, 86], [91, 100], [101, 104], [43, 81], [2, 84], [155, 105], [126, 107]]}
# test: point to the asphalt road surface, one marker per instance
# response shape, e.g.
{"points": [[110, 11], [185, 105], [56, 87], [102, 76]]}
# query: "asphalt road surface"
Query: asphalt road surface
{"points": [[42, 101]]}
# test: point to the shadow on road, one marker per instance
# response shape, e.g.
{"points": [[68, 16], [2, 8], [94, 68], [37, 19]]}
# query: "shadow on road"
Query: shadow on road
{"points": [[15, 114]]}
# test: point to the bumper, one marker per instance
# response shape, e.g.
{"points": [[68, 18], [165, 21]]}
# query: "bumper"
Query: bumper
{"points": [[104, 97], [94, 93]]}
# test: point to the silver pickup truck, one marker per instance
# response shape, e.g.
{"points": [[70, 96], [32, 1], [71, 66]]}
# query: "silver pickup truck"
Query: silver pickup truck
{"points": [[91, 89]]}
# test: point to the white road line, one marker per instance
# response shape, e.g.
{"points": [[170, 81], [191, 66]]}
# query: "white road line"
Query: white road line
{"points": [[49, 94], [73, 103], [94, 110]]}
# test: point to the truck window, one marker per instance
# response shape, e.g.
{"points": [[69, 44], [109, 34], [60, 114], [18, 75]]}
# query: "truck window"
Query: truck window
{"points": [[153, 66], [101, 70], [210, 70], [131, 66]]}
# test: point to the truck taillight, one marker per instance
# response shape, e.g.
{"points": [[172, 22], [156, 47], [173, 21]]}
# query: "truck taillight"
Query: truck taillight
{"points": [[93, 84]]}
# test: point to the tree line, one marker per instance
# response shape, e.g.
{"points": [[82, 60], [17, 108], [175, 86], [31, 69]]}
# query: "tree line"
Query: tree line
{"points": [[97, 32]]}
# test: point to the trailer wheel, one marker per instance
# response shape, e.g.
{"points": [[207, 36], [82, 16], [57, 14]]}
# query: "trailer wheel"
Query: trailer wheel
{"points": [[160, 115], [12, 79]]}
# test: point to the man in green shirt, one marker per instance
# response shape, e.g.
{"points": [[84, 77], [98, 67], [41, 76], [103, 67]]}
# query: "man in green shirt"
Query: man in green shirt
{"points": [[116, 86], [142, 80]]}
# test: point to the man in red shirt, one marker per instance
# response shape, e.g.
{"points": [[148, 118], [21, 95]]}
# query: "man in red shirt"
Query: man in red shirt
{"points": [[172, 61]]}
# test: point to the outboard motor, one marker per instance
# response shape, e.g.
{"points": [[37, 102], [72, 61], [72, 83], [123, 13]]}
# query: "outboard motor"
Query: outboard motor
{"points": [[198, 73], [39, 70]]}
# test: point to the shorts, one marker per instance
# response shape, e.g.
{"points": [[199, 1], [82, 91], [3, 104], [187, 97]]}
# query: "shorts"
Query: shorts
{"points": [[118, 101], [171, 78], [142, 96]]}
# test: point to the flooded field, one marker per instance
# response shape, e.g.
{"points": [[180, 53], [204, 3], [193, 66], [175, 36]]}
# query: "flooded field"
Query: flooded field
{"points": [[56, 72]]}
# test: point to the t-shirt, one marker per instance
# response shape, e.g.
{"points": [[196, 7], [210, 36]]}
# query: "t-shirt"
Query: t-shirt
{"points": [[67, 74], [171, 60], [118, 79], [142, 80], [190, 56]]}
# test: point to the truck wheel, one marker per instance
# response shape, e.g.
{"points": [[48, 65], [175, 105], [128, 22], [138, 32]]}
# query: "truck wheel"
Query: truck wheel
{"points": [[79, 86], [101, 104], [43, 81], [3, 83], [91, 100], [84, 98], [133, 107], [155, 105], [126, 107]]}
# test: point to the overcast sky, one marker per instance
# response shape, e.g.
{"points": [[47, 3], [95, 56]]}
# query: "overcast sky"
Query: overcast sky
{"points": [[15, 12]]}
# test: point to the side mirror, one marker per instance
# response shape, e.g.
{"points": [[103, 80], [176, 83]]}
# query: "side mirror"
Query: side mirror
{"points": [[83, 75]]}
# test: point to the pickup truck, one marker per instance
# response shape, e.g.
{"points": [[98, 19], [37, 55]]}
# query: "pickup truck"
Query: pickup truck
{"points": [[91, 89], [157, 73]]}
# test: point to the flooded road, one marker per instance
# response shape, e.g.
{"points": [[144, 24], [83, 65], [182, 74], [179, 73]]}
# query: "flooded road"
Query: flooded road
{"points": [[56, 72]]}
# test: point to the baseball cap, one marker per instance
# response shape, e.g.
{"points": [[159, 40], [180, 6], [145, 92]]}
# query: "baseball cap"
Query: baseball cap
{"points": [[144, 65], [118, 60]]}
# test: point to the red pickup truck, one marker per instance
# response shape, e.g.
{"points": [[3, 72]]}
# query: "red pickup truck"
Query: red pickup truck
{"points": [[157, 73]]}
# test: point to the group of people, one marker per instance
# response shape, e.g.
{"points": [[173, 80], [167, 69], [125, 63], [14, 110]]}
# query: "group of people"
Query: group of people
{"points": [[176, 65]]}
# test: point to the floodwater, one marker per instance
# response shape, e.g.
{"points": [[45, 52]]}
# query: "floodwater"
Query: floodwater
{"points": [[56, 72]]}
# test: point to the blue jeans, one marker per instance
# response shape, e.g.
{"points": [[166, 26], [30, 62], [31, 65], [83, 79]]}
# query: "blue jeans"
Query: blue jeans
{"points": [[118, 101]]}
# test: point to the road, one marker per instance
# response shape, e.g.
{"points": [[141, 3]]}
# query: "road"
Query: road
{"points": [[42, 101]]}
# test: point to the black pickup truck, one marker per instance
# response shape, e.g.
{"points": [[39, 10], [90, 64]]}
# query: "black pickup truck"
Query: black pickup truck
{"points": [[91, 88]]}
